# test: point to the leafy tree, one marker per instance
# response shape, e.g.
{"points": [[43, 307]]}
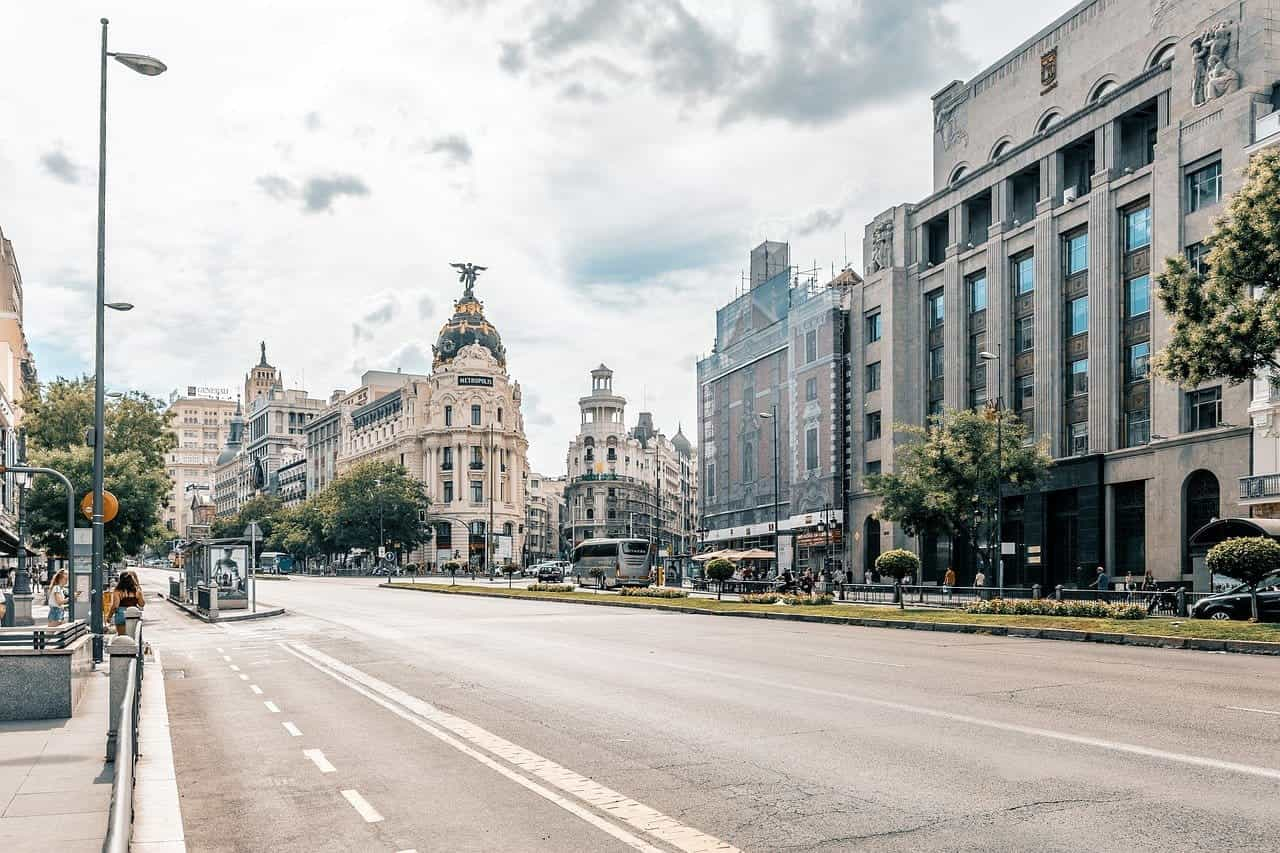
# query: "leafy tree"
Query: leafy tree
{"points": [[58, 414], [720, 570], [941, 478], [378, 502], [897, 564], [1226, 321], [1252, 559], [263, 509], [139, 487]]}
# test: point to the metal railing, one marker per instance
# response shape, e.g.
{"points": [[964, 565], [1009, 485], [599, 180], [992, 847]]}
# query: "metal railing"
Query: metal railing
{"points": [[1260, 486], [60, 637], [120, 819]]}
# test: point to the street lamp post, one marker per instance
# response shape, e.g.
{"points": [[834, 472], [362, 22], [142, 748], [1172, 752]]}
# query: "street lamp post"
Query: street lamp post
{"points": [[149, 67], [998, 534], [772, 415]]}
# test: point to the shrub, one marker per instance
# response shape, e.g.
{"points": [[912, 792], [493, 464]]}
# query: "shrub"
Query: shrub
{"points": [[762, 598], [1051, 607], [452, 566], [898, 563], [720, 570], [653, 592], [1249, 558], [816, 599], [551, 587]]}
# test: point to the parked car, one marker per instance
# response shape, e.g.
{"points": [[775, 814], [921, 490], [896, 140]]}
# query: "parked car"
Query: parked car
{"points": [[549, 573], [1235, 603]]}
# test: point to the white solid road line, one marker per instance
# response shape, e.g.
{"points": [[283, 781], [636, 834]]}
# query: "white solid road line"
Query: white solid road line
{"points": [[1049, 734], [318, 759], [292, 729], [863, 660], [361, 805], [256, 689], [1254, 710], [444, 726], [271, 706]]}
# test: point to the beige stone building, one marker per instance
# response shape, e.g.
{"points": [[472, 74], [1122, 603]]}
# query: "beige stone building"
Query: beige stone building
{"points": [[17, 369], [545, 518], [200, 425]]}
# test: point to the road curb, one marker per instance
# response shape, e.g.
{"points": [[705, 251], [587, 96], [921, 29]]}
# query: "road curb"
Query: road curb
{"points": [[239, 617], [1202, 644]]}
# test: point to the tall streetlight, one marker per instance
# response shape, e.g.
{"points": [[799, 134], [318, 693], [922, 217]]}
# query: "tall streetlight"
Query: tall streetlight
{"points": [[998, 533], [772, 415], [148, 67]]}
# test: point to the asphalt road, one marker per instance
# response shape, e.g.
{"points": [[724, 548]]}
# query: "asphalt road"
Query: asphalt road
{"points": [[427, 722]]}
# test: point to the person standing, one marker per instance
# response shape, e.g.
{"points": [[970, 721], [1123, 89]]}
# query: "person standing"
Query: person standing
{"points": [[1103, 581], [948, 581], [979, 583], [128, 593], [57, 596]]}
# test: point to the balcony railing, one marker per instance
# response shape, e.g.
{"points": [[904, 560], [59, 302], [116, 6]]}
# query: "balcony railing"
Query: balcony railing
{"points": [[446, 466], [1265, 126], [1260, 486], [476, 466]]}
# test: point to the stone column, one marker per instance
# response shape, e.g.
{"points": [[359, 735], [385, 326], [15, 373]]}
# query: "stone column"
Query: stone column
{"points": [[1104, 329]]}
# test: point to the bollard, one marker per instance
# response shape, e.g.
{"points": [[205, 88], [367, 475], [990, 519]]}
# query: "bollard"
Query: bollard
{"points": [[1035, 590], [1057, 592], [1182, 601], [132, 617], [122, 649]]}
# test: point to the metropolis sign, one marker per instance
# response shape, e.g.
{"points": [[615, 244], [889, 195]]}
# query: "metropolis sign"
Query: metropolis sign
{"points": [[476, 380]]}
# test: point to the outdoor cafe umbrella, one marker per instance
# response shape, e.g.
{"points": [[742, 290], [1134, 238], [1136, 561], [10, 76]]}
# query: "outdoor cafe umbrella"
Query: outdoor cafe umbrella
{"points": [[756, 554]]}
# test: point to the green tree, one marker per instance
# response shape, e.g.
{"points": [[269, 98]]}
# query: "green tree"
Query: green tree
{"points": [[1226, 321], [139, 487], [949, 471], [1252, 559], [720, 570], [376, 503], [59, 414], [897, 564], [261, 508]]}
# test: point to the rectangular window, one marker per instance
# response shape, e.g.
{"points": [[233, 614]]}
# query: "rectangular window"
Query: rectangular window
{"points": [[872, 323], [977, 398], [873, 426], [934, 409], [1078, 316], [1024, 334], [873, 376], [1024, 275], [810, 389], [1077, 253], [1024, 403], [1204, 409], [811, 449], [1198, 258], [978, 293], [477, 460], [1204, 187], [475, 416], [1137, 428], [1137, 296], [448, 491], [446, 459], [477, 491], [872, 467], [936, 365], [1137, 362], [1078, 439], [1078, 377], [810, 347], [711, 481], [1137, 229], [935, 309]]}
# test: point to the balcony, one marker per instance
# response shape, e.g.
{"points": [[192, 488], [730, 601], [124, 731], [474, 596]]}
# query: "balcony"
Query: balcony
{"points": [[1266, 126], [446, 466], [476, 466], [1261, 488]]}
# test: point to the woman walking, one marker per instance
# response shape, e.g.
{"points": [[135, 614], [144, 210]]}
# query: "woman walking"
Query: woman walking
{"points": [[57, 597], [127, 593]]}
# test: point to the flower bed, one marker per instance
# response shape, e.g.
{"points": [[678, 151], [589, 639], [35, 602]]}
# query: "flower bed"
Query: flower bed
{"points": [[817, 599], [551, 587], [762, 598], [1051, 607], [652, 592]]}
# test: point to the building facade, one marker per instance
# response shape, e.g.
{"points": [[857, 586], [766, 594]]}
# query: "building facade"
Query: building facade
{"points": [[233, 474], [545, 518], [17, 371], [633, 483], [200, 423], [1063, 176], [292, 478], [779, 367]]}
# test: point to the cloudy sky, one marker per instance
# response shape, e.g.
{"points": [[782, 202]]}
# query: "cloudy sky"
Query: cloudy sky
{"points": [[305, 171]]}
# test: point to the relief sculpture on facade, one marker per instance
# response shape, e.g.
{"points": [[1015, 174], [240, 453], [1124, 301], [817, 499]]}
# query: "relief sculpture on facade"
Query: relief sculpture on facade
{"points": [[881, 246], [1213, 76], [947, 119]]}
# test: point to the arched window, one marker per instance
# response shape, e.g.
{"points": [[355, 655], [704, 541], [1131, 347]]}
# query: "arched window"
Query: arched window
{"points": [[870, 543], [1001, 148], [477, 528], [1163, 53], [1101, 89], [958, 172], [1200, 499], [507, 529], [1048, 120]]}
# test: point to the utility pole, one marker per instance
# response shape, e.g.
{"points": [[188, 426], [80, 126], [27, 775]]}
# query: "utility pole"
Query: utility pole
{"points": [[488, 555]]}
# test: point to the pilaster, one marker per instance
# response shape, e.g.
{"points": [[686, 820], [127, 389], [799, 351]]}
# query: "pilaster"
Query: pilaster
{"points": [[1048, 335], [1104, 331]]}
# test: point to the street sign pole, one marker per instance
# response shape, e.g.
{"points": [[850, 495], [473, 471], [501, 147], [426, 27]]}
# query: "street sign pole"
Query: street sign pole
{"points": [[253, 532]]}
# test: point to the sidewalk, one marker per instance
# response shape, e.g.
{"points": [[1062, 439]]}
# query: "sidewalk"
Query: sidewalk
{"points": [[55, 786]]}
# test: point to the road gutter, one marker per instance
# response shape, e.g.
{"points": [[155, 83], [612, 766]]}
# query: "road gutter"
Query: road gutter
{"points": [[1202, 644]]}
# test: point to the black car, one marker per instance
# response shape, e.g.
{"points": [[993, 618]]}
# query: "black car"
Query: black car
{"points": [[550, 574], [1235, 604]]}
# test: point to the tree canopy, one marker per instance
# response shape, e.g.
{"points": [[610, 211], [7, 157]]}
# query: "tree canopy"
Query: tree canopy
{"points": [[949, 471], [58, 414], [1226, 319]]}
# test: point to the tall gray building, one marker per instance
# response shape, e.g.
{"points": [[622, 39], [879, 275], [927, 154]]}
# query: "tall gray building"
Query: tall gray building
{"points": [[1063, 175]]}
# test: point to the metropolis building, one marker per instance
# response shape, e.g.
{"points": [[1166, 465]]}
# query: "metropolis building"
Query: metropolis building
{"points": [[1063, 175]]}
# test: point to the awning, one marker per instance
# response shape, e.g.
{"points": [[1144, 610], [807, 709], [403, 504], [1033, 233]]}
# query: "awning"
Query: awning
{"points": [[756, 554], [728, 554], [1221, 529]]}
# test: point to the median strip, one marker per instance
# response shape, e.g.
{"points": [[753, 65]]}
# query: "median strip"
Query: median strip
{"points": [[1198, 635]]}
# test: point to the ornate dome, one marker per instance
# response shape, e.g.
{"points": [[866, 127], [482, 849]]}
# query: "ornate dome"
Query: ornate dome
{"points": [[681, 444], [467, 326]]}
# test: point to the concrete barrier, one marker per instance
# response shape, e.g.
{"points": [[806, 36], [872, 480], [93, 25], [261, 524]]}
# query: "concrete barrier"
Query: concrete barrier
{"points": [[43, 684]]}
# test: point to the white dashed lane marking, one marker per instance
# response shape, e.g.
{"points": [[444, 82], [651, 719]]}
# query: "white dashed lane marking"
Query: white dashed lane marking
{"points": [[318, 759], [235, 668], [1254, 710], [226, 658], [292, 729], [244, 677], [361, 805], [256, 689], [271, 706]]}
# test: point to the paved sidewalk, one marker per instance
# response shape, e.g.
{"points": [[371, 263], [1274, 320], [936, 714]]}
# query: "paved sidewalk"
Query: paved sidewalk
{"points": [[55, 786]]}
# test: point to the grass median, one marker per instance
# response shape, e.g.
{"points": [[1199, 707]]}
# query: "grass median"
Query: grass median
{"points": [[1198, 628]]}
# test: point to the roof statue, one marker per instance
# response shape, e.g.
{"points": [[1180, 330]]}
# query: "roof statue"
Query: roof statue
{"points": [[467, 273], [262, 361]]}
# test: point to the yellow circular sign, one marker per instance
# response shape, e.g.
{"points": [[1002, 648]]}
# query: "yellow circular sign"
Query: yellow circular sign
{"points": [[110, 506]]}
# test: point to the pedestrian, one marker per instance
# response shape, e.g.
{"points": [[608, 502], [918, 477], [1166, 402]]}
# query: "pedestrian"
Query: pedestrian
{"points": [[948, 581], [128, 593], [1103, 581], [1149, 582], [979, 583], [866, 577], [806, 583], [56, 595]]}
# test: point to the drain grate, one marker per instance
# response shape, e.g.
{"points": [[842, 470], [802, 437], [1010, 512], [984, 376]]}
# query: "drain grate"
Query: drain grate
{"points": [[174, 673]]}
